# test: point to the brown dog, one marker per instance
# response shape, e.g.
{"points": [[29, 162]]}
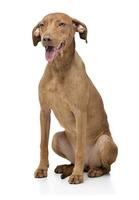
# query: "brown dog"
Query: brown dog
{"points": [[67, 90]]}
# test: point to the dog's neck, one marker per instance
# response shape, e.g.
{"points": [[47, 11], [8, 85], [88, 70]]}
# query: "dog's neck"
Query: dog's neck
{"points": [[63, 61]]}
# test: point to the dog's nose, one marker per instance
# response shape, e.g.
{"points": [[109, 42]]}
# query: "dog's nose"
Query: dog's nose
{"points": [[47, 39]]}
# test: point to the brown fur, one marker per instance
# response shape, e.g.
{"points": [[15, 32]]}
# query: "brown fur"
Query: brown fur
{"points": [[67, 90]]}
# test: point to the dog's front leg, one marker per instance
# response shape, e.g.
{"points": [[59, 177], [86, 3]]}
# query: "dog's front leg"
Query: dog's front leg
{"points": [[45, 126], [81, 125]]}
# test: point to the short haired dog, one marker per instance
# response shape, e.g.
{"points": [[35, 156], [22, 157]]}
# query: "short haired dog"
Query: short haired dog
{"points": [[66, 89]]}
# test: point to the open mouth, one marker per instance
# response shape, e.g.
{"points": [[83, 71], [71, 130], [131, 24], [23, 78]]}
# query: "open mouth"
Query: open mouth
{"points": [[52, 51]]}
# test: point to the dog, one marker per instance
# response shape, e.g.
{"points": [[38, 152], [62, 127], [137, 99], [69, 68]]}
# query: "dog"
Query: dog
{"points": [[66, 89]]}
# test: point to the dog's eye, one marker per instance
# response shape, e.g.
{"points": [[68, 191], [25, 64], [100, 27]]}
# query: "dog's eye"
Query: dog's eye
{"points": [[41, 24], [62, 24]]}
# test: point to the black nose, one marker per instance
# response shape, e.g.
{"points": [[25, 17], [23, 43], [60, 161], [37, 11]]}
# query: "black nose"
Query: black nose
{"points": [[46, 39]]}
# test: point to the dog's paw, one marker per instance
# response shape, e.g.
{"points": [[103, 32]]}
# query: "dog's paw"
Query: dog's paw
{"points": [[64, 170], [59, 169], [40, 173], [96, 172], [75, 179]]}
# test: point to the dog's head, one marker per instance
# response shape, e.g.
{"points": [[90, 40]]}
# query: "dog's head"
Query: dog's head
{"points": [[56, 32]]}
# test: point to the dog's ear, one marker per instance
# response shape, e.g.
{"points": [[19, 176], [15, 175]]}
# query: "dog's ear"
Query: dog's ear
{"points": [[36, 34], [80, 28]]}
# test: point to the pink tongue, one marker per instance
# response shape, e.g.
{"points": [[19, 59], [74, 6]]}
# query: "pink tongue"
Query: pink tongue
{"points": [[50, 54]]}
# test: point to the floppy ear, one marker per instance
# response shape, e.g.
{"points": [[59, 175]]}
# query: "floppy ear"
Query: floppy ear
{"points": [[80, 28], [36, 34]]}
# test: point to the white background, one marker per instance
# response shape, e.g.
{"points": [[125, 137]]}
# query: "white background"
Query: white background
{"points": [[112, 62]]}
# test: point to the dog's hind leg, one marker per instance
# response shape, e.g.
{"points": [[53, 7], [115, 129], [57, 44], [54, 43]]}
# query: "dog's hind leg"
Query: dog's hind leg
{"points": [[63, 148], [102, 155]]}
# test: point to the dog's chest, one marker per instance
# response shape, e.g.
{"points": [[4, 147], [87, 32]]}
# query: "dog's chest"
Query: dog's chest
{"points": [[57, 97], [59, 100], [57, 93]]}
